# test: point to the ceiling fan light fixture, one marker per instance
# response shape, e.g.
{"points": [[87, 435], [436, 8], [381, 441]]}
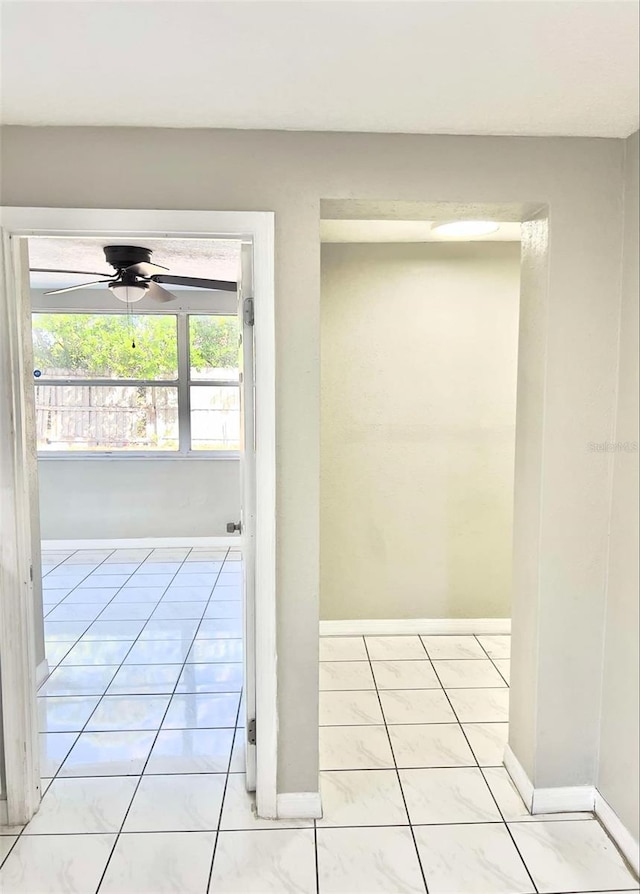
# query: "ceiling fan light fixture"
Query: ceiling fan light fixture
{"points": [[129, 294], [465, 229]]}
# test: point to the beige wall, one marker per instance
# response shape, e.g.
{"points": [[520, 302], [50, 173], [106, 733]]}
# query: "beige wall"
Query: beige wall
{"points": [[418, 374], [619, 759], [567, 360], [102, 498]]}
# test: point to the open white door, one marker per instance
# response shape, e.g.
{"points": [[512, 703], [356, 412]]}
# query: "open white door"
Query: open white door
{"points": [[248, 503], [20, 790]]}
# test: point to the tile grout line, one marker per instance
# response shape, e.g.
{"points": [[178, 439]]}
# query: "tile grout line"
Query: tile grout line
{"points": [[498, 822], [477, 762], [182, 664], [222, 800], [475, 636], [227, 773], [77, 587], [429, 689], [144, 625], [501, 821], [55, 775], [21, 833], [91, 623], [155, 739], [395, 766], [71, 646], [61, 562], [133, 643], [121, 663], [315, 850], [102, 696]]}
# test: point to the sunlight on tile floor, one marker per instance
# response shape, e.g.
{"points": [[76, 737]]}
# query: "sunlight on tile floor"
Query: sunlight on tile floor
{"points": [[141, 739]]}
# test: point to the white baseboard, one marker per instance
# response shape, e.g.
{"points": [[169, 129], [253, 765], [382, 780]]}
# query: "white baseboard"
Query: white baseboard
{"points": [[564, 799], [144, 542], [623, 838], [560, 799], [573, 799], [518, 776], [42, 672], [425, 626], [299, 805]]}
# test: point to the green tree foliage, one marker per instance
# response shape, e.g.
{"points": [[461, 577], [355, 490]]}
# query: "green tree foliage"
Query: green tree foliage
{"points": [[213, 342], [100, 345]]}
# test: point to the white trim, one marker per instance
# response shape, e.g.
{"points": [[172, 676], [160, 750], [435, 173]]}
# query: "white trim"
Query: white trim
{"points": [[265, 520], [143, 542], [299, 805], [573, 799], [248, 514], [518, 776], [16, 627], [17, 616], [560, 799], [184, 391], [155, 456], [425, 626], [623, 838], [563, 799], [42, 672]]}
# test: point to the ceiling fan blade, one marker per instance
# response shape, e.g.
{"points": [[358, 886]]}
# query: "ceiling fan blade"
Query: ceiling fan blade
{"points": [[157, 293], [84, 285], [145, 268], [194, 282], [70, 272]]}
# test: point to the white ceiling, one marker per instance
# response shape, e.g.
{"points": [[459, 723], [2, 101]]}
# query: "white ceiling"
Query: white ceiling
{"points": [[404, 231], [208, 258], [561, 67]]}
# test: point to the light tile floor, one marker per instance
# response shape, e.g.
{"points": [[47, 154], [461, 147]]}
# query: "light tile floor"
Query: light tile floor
{"points": [[141, 738]]}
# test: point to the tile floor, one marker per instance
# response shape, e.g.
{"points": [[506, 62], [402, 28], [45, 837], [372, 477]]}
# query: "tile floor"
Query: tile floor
{"points": [[141, 737]]}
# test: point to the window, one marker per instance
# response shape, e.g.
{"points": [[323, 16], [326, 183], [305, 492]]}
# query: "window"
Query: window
{"points": [[143, 383], [214, 396]]}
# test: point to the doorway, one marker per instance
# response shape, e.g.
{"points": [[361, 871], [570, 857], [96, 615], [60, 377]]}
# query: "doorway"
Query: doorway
{"points": [[254, 233], [419, 345]]}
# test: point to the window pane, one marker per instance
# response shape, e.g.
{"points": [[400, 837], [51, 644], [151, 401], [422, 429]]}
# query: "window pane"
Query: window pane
{"points": [[215, 418], [106, 417], [99, 346], [213, 348]]}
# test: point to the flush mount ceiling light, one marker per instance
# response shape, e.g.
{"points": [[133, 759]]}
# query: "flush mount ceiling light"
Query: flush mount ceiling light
{"points": [[462, 229]]}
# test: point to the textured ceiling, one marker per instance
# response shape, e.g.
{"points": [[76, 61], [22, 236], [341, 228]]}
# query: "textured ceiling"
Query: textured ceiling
{"points": [[565, 67], [208, 258]]}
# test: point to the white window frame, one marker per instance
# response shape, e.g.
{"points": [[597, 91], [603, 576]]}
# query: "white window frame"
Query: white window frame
{"points": [[182, 384], [185, 383]]}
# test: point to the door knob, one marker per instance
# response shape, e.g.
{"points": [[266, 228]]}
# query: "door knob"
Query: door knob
{"points": [[232, 527]]}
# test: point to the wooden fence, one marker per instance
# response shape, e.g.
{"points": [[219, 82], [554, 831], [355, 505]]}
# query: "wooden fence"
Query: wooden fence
{"points": [[112, 417], [129, 417]]}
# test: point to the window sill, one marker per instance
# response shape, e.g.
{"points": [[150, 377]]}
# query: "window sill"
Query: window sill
{"points": [[119, 456]]}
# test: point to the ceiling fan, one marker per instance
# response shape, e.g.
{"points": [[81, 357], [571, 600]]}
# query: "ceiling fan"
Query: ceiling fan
{"points": [[136, 277]]}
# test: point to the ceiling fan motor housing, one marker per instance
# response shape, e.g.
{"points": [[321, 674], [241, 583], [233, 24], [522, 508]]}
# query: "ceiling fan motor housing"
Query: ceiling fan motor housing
{"points": [[121, 256]]}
